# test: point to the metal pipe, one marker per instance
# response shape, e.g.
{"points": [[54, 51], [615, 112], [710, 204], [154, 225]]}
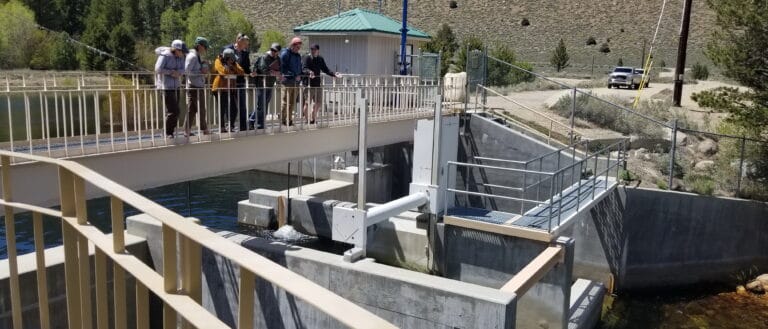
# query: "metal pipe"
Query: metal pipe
{"points": [[436, 140], [741, 167], [362, 151], [395, 207], [672, 155]]}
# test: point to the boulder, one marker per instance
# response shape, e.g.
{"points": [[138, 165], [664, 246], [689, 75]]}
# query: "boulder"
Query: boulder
{"points": [[759, 284], [682, 138], [707, 147], [704, 165], [640, 152]]}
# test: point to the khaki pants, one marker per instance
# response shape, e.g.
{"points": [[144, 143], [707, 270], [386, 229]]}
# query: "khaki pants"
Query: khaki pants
{"points": [[290, 94]]}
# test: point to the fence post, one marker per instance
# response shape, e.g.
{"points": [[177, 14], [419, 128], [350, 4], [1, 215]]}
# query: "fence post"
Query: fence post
{"points": [[673, 148], [741, 166], [573, 115]]}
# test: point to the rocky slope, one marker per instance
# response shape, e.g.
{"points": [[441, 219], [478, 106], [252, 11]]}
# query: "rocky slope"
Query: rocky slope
{"points": [[622, 23]]}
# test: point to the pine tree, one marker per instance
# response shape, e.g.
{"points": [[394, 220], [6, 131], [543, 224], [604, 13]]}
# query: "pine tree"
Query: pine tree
{"points": [[560, 57], [445, 43]]}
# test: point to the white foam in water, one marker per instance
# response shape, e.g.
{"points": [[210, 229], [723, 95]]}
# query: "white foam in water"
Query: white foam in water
{"points": [[288, 233]]}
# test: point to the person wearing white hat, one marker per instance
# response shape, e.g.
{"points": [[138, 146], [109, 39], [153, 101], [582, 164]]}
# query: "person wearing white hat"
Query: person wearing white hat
{"points": [[169, 69]]}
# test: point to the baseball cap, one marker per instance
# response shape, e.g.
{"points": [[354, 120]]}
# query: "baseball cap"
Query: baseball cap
{"points": [[295, 40], [275, 46], [315, 46], [201, 41], [179, 45], [228, 53]]}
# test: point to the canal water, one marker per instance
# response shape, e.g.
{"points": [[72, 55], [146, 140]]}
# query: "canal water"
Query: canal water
{"points": [[213, 200]]}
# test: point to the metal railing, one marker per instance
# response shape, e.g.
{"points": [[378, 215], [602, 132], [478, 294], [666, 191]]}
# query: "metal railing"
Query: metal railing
{"points": [[547, 189], [179, 286], [79, 121]]}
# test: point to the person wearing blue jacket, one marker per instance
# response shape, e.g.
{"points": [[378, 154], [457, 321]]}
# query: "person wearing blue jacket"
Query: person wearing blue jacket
{"points": [[291, 69], [169, 69]]}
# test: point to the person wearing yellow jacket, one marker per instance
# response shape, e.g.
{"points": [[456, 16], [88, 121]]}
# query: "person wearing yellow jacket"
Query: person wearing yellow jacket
{"points": [[224, 87]]}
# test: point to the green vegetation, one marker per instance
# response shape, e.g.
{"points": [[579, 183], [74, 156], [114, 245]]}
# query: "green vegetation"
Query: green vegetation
{"points": [[470, 44], [269, 37], [122, 33], [627, 176], [501, 74], [604, 48], [560, 58], [738, 48], [700, 184], [591, 41], [700, 71], [444, 43], [608, 116], [662, 164], [18, 35]]}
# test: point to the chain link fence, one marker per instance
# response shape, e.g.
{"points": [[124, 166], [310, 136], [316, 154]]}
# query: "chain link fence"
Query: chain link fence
{"points": [[664, 151]]}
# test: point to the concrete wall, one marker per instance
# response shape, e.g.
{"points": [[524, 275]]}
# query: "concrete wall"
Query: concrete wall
{"points": [[406, 298], [645, 238], [57, 303], [483, 137], [491, 260], [675, 238]]}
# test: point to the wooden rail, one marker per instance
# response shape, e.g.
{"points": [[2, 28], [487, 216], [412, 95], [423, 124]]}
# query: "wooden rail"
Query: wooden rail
{"points": [[180, 294]]}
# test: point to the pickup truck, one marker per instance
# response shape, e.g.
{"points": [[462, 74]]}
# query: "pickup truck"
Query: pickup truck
{"points": [[626, 76]]}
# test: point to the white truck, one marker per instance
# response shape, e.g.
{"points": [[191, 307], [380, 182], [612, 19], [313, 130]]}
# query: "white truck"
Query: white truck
{"points": [[630, 77]]}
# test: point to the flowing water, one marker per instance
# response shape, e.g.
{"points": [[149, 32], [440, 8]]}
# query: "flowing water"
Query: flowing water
{"points": [[213, 200]]}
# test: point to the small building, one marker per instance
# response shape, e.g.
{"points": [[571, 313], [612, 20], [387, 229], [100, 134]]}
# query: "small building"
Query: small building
{"points": [[361, 41]]}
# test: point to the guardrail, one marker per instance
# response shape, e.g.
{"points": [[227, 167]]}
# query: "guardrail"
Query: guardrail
{"points": [[73, 122], [179, 285], [567, 130], [580, 170]]}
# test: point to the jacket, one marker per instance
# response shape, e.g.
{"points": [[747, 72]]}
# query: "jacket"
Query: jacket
{"points": [[224, 74], [166, 65], [193, 66], [290, 66], [244, 59], [315, 65], [267, 68]]}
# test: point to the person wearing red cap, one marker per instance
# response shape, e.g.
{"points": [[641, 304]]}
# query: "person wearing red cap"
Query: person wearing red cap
{"points": [[290, 68], [314, 64]]}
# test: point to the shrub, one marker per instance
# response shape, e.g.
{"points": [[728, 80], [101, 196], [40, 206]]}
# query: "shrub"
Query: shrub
{"points": [[604, 48], [608, 116], [627, 176], [591, 41], [620, 62], [661, 184], [662, 164], [269, 37], [453, 5], [525, 22], [699, 184], [662, 63], [700, 71]]}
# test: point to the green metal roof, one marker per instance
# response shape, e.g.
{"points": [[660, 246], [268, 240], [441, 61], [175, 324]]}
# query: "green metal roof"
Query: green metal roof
{"points": [[359, 20]]}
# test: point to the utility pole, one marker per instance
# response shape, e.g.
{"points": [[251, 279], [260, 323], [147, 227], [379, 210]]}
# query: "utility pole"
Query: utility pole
{"points": [[682, 49], [642, 58]]}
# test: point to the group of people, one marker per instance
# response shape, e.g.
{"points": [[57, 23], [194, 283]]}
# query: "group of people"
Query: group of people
{"points": [[230, 70]]}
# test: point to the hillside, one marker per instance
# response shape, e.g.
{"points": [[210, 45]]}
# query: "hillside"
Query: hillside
{"points": [[499, 21]]}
